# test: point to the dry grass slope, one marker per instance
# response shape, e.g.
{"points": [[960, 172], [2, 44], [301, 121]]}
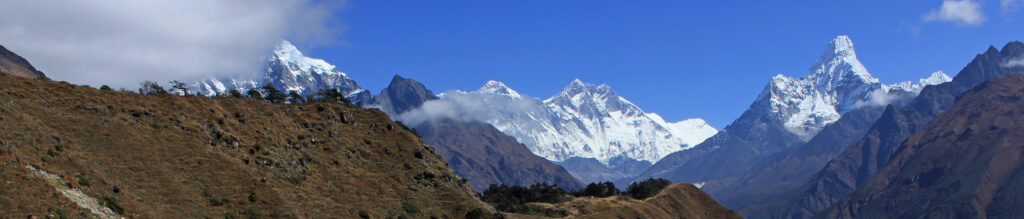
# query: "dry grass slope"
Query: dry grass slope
{"points": [[678, 200], [193, 157]]}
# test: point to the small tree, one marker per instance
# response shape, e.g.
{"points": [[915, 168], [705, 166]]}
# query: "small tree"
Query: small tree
{"points": [[647, 188], [105, 87], [254, 93], [331, 96], [179, 86], [235, 94], [272, 94], [151, 88], [295, 97], [599, 189]]}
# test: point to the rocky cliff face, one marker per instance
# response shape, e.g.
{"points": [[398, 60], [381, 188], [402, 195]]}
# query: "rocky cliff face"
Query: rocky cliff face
{"points": [[124, 154], [966, 163]]}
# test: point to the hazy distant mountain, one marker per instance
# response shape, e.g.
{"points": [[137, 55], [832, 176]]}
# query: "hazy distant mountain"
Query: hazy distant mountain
{"points": [[589, 129], [787, 114], [289, 70], [16, 65], [966, 163], [860, 161]]}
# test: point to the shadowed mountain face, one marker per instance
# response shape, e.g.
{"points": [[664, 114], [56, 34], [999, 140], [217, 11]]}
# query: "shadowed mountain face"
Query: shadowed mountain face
{"points": [[402, 95], [860, 161], [16, 65], [771, 179], [195, 157], [966, 163], [477, 151], [483, 155], [788, 114]]}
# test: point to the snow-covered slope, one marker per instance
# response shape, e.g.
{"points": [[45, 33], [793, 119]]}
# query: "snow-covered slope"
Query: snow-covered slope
{"points": [[289, 70], [583, 120], [837, 84]]}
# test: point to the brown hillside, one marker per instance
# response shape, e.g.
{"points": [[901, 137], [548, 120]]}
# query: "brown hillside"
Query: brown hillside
{"points": [[194, 157], [966, 163], [678, 200]]}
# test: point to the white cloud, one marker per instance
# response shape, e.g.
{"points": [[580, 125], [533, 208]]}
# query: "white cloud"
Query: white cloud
{"points": [[877, 98], [1014, 62], [122, 42], [962, 12], [468, 107], [1009, 6]]}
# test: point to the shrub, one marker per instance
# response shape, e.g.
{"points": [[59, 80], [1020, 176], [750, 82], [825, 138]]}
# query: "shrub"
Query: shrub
{"points": [[111, 203], [253, 197], [105, 87], [601, 189], [476, 213], [82, 181], [409, 207], [647, 188]]}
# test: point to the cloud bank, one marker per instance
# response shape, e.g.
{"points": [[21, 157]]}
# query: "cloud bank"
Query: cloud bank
{"points": [[962, 12], [122, 42], [1014, 62], [469, 107]]}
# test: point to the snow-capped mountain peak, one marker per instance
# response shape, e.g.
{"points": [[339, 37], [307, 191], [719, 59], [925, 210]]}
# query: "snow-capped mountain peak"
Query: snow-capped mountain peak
{"points": [[497, 87], [838, 63], [838, 83], [937, 77], [288, 70], [583, 120], [299, 63]]}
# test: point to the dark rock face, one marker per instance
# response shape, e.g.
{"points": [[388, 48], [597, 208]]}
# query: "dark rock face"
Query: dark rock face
{"points": [[402, 95], [966, 163], [483, 155], [16, 65], [864, 158]]}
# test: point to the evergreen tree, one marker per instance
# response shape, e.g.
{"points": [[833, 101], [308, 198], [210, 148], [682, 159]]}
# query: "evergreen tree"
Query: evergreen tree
{"points": [[179, 86], [295, 98], [647, 188], [151, 88], [272, 94]]}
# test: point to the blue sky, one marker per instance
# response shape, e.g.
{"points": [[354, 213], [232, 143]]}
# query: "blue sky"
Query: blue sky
{"points": [[680, 59]]}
